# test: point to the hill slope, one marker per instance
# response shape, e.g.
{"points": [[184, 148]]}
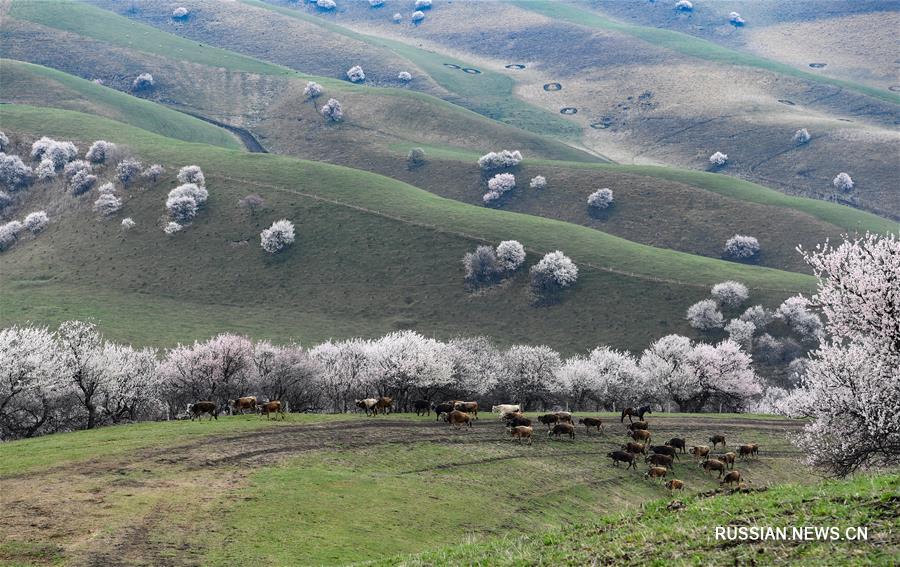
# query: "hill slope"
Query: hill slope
{"points": [[354, 229]]}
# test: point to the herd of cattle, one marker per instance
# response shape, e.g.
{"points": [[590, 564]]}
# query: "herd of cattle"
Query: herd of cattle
{"points": [[457, 413]]}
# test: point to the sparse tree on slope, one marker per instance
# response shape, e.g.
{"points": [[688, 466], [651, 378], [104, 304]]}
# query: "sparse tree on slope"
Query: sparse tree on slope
{"points": [[705, 315], [277, 237]]}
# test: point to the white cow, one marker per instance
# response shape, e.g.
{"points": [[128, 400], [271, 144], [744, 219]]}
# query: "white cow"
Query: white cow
{"points": [[506, 408]]}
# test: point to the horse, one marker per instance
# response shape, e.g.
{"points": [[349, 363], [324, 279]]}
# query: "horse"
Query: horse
{"points": [[639, 413]]}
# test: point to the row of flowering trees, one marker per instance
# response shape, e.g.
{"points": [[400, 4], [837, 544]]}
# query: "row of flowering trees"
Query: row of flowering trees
{"points": [[72, 378]]}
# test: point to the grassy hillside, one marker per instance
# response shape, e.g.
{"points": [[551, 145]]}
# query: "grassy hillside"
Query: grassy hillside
{"points": [[354, 229], [25, 83], [695, 47], [659, 536], [328, 489]]}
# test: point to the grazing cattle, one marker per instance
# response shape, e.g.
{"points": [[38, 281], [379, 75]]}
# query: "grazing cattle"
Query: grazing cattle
{"points": [[660, 460], [517, 421], [716, 439], [714, 465], [562, 429], [638, 425], [755, 449], [367, 404], [385, 405], [624, 457], [521, 432], [676, 442], [458, 419], [727, 458], [245, 403], [468, 407], [700, 451], [548, 419], [745, 451], [199, 408], [589, 422], [639, 413], [656, 472], [633, 447], [422, 407], [743, 487], [665, 450], [270, 408], [442, 409], [641, 435], [674, 485], [504, 409], [732, 477], [564, 417]]}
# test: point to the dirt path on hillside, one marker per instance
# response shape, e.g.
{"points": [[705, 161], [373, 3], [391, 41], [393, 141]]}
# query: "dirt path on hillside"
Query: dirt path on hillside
{"points": [[110, 511]]}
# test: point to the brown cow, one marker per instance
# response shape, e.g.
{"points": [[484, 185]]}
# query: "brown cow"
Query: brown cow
{"points": [[745, 451], [633, 447], [459, 418], [624, 457], [714, 465], [656, 472], [674, 485], [548, 419], [562, 429], [700, 451], [727, 458], [518, 421], [640, 435], [521, 432], [564, 417], [665, 450], [676, 442], [755, 449], [589, 422], [732, 477], [468, 407], [271, 407], [199, 408], [638, 425], [385, 405], [245, 403], [658, 460], [716, 439]]}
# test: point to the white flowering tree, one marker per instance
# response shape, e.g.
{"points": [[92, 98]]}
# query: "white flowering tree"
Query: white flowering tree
{"points": [[332, 110], [795, 313], [14, 174], [343, 368], [356, 74], [326, 4], [172, 227], [81, 347], [852, 384], [481, 267], [538, 182], [741, 247], [313, 90], [730, 294], [277, 237], [801, 136], [510, 255], [4, 142], [127, 170], [553, 273], [37, 221], [128, 223], [718, 159], [475, 365], [130, 388], [143, 82], [684, 5], [405, 363], [107, 204], [404, 76], [843, 182], [741, 332], [286, 373], [705, 315], [82, 182], [153, 173], [192, 174], [100, 151], [417, 16], [600, 199], [9, 233], [180, 13], [499, 160], [498, 185], [529, 374]]}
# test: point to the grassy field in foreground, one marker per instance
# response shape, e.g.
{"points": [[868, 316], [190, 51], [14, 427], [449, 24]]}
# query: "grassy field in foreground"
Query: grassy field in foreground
{"points": [[694, 46], [330, 489], [659, 536]]}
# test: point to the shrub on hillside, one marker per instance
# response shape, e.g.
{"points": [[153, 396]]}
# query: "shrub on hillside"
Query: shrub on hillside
{"points": [[730, 294], [705, 315], [128, 223], [251, 202], [741, 247], [501, 183], [332, 110], [182, 208], [4, 142], [54, 151], [481, 266], [843, 182], [14, 174], [312, 90], [82, 182], [415, 157], [127, 171], [538, 182], [600, 199], [356, 74], [172, 227], [404, 76], [5, 200], [758, 315], [499, 160], [100, 151], [423, 4], [277, 237], [801, 136], [510, 255], [192, 174], [153, 173], [37, 221], [9, 233], [718, 159], [45, 170], [684, 5], [736, 19], [144, 81], [417, 16], [397, 18], [107, 204], [553, 273], [180, 13], [326, 4]]}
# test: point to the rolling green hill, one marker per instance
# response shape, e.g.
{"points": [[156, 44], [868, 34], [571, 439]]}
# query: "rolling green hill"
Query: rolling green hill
{"points": [[371, 251]]}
